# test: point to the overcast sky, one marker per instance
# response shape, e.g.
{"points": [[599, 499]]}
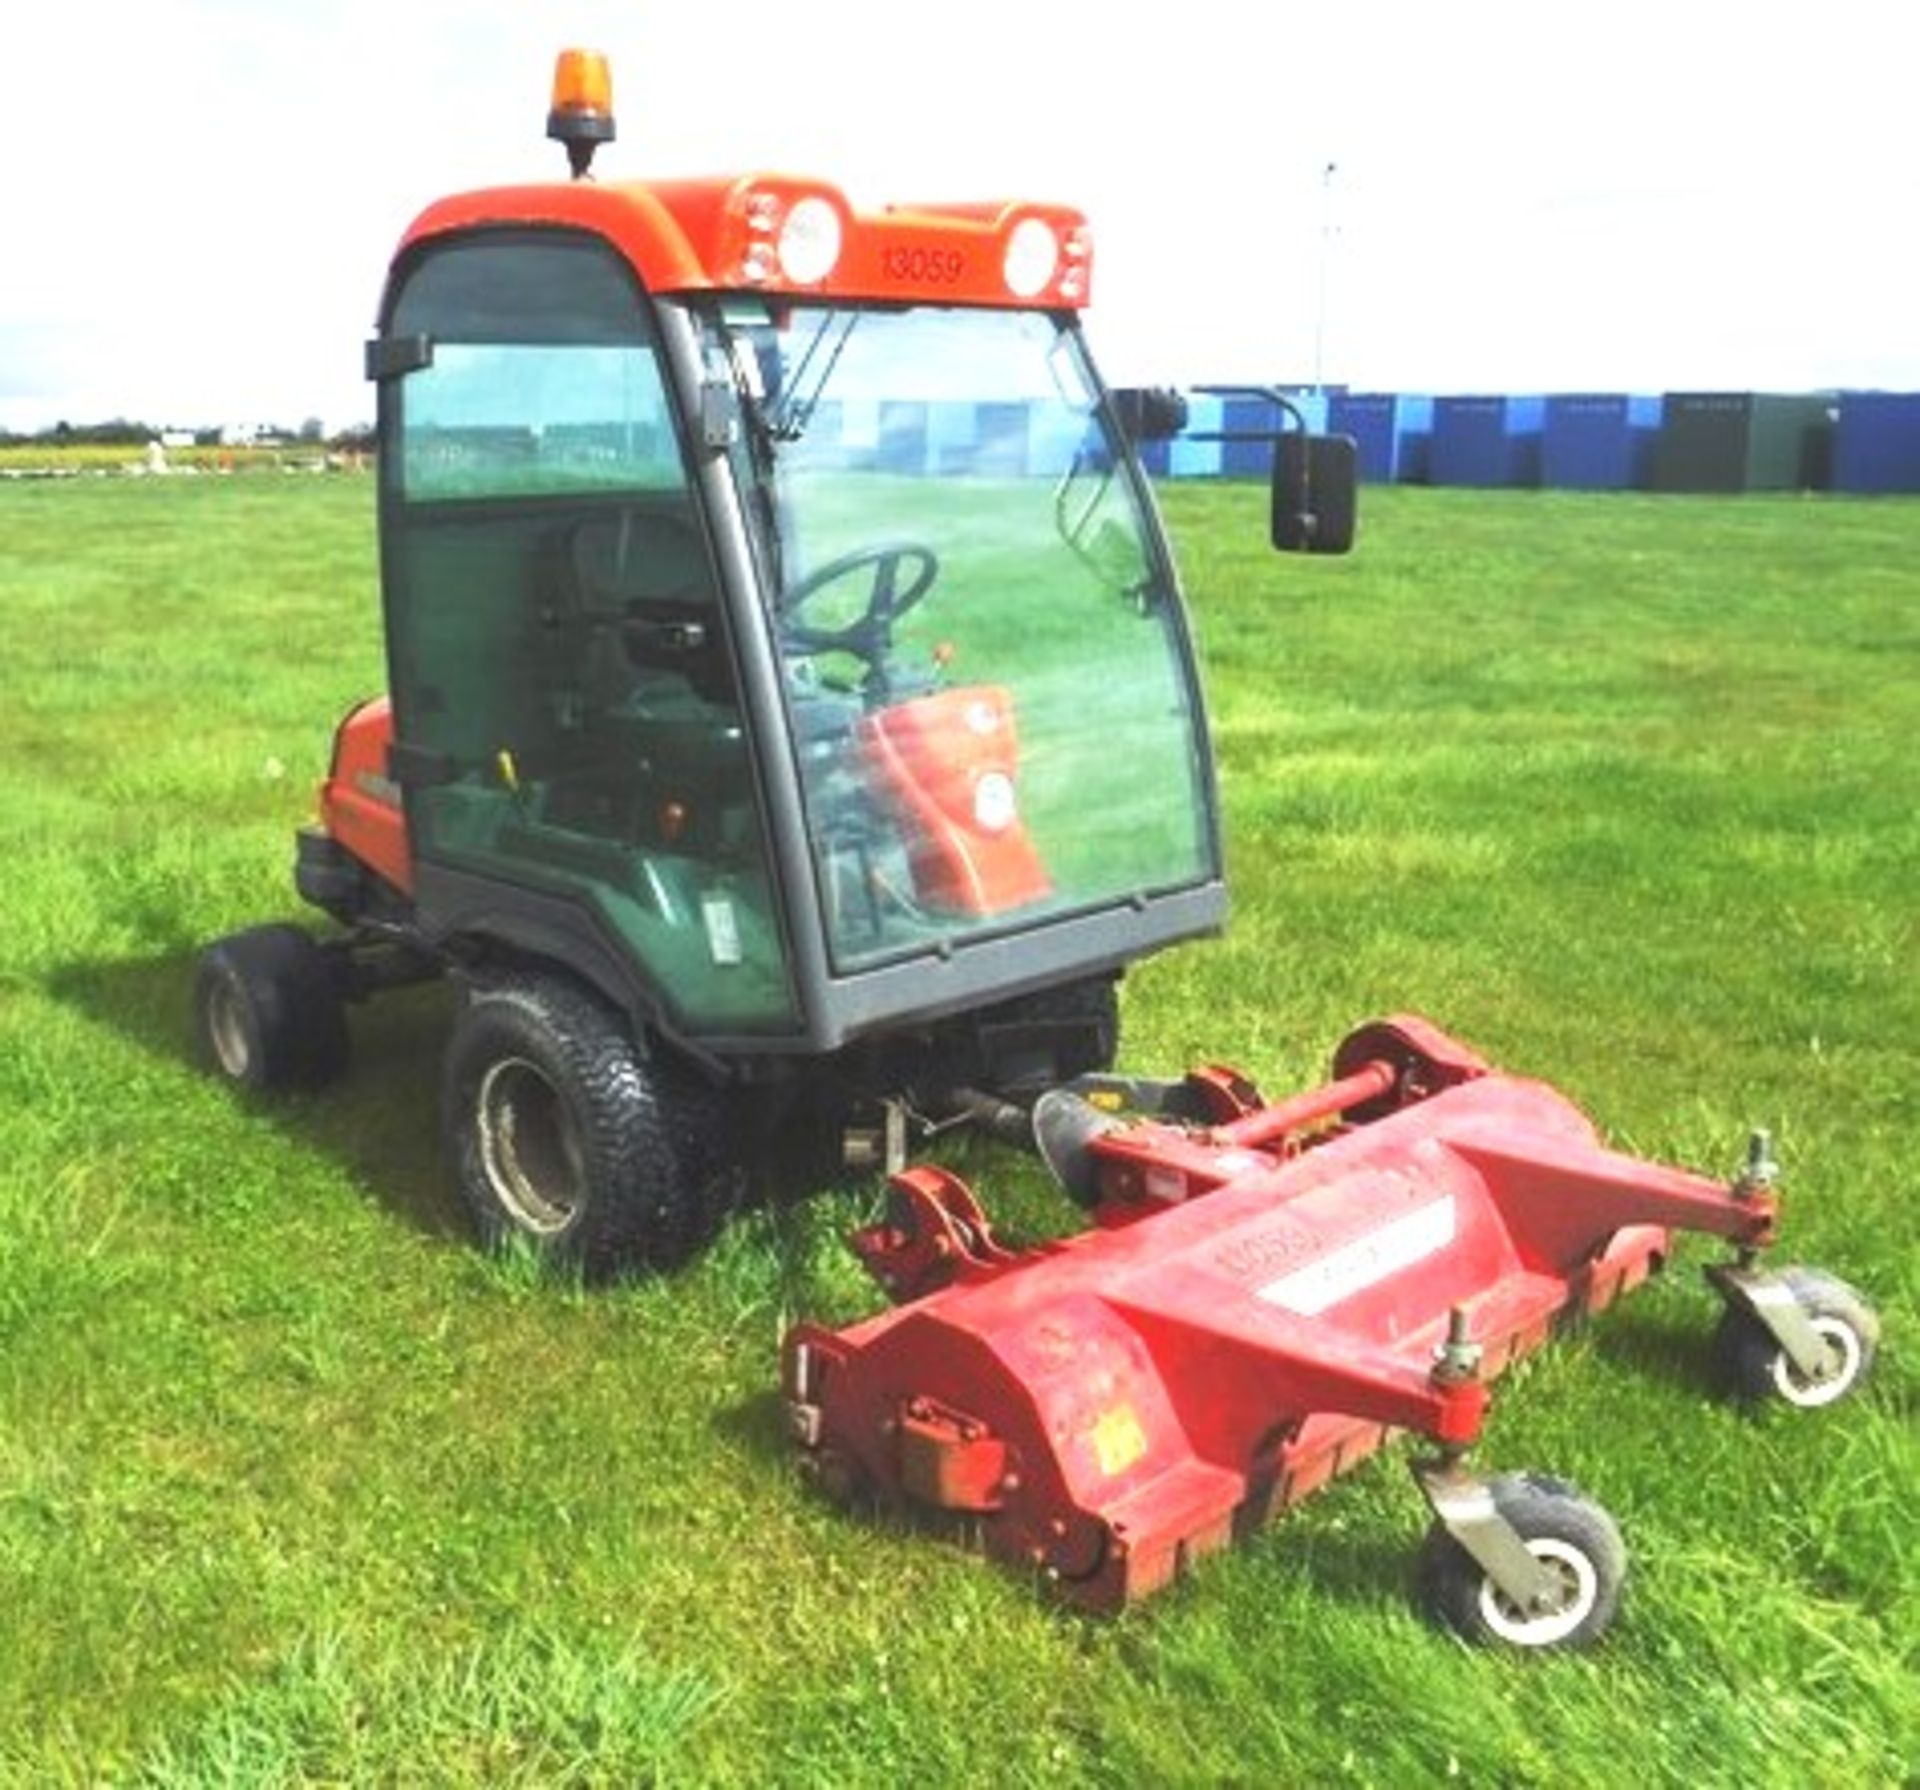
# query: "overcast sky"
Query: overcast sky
{"points": [[200, 195]]}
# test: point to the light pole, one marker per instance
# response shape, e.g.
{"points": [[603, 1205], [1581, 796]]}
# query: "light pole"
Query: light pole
{"points": [[1326, 262]]}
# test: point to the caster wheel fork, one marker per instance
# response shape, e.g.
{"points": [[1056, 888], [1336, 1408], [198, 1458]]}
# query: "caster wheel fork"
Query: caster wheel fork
{"points": [[1521, 1560], [1795, 1335]]}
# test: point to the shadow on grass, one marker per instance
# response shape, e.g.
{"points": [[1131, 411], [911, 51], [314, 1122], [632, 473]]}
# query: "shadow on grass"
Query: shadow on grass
{"points": [[1355, 1563], [1674, 1348], [758, 1425], [380, 1122], [1362, 1561]]}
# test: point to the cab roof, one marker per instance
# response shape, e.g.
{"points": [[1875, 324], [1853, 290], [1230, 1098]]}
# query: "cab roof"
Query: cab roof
{"points": [[798, 236]]}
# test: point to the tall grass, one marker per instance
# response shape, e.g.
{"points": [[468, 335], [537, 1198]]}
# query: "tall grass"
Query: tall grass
{"points": [[296, 1488]]}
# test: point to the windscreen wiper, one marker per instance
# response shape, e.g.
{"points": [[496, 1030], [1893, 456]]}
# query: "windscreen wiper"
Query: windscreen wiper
{"points": [[800, 395]]}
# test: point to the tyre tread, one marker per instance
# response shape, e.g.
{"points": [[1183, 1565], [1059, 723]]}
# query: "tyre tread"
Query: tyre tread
{"points": [[658, 1188], [1746, 1349], [289, 990], [1538, 1505]]}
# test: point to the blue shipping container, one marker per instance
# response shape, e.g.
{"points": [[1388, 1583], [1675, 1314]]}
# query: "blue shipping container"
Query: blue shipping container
{"points": [[1487, 441], [1246, 418], [1000, 440], [1876, 442], [1196, 449], [1413, 438], [953, 433], [1192, 459], [1371, 419], [1599, 441], [1055, 435], [1157, 458], [1248, 423], [1314, 406], [903, 437]]}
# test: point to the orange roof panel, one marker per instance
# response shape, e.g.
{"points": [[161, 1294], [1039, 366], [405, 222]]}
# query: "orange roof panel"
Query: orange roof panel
{"points": [[740, 233]]}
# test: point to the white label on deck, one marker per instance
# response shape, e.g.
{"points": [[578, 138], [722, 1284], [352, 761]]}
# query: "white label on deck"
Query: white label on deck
{"points": [[1364, 1262]]}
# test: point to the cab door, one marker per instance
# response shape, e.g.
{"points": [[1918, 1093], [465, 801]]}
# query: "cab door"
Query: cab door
{"points": [[567, 711]]}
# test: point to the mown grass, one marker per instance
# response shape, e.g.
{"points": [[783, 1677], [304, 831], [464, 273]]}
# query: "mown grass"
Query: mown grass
{"points": [[296, 1488]]}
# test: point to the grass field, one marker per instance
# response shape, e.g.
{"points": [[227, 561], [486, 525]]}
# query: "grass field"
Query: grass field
{"points": [[295, 1487], [42, 460]]}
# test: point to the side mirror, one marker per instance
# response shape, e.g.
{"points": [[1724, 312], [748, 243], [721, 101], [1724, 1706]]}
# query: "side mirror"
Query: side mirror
{"points": [[1315, 492], [1150, 413]]}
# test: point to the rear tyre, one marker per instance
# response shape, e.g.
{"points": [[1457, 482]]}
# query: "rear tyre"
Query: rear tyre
{"points": [[1758, 1369], [1571, 1536], [564, 1136], [268, 1010]]}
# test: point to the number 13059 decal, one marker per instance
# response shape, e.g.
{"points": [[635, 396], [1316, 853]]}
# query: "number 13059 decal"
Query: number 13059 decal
{"points": [[923, 267]]}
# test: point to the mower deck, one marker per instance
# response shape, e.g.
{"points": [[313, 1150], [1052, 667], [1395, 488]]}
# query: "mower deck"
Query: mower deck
{"points": [[1268, 1290]]}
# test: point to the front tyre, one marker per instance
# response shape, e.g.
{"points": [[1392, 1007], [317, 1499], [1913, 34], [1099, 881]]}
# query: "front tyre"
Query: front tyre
{"points": [[1573, 1538], [562, 1134], [268, 1011]]}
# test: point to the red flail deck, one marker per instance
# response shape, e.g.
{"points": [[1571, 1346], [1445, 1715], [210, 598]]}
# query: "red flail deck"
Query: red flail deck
{"points": [[1267, 1291]]}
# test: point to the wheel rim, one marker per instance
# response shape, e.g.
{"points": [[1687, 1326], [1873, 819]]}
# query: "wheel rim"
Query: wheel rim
{"points": [[1844, 1354], [1575, 1591], [530, 1147], [227, 1031]]}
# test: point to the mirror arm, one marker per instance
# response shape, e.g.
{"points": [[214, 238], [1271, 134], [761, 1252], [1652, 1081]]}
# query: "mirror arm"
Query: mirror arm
{"points": [[1273, 395]]}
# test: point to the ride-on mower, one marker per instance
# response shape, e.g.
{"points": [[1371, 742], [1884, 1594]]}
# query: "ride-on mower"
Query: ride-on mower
{"points": [[791, 706]]}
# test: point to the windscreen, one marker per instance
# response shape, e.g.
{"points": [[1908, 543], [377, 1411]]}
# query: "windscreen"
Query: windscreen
{"points": [[988, 682]]}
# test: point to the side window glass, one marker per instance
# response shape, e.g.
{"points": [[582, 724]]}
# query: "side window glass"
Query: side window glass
{"points": [[492, 420]]}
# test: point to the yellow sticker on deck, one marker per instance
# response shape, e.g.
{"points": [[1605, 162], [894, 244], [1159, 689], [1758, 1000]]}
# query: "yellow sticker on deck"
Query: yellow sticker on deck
{"points": [[1118, 1440]]}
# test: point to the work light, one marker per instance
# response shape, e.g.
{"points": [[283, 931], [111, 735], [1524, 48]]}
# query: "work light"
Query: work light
{"points": [[1033, 253], [580, 114]]}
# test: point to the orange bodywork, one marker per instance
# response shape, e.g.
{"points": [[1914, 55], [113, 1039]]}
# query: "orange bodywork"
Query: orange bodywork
{"points": [[360, 803], [714, 234], [932, 755]]}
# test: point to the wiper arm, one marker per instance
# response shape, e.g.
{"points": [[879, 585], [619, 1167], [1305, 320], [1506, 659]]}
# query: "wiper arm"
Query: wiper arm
{"points": [[793, 414]]}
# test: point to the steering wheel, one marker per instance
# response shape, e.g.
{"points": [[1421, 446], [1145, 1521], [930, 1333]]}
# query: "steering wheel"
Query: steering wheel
{"points": [[870, 634]]}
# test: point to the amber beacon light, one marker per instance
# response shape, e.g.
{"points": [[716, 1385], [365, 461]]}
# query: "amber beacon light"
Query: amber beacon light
{"points": [[580, 114]]}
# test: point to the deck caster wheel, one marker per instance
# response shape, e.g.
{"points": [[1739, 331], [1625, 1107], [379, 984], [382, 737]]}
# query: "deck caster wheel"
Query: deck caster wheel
{"points": [[1576, 1543], [840, 1479], [1758, 1368]]}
